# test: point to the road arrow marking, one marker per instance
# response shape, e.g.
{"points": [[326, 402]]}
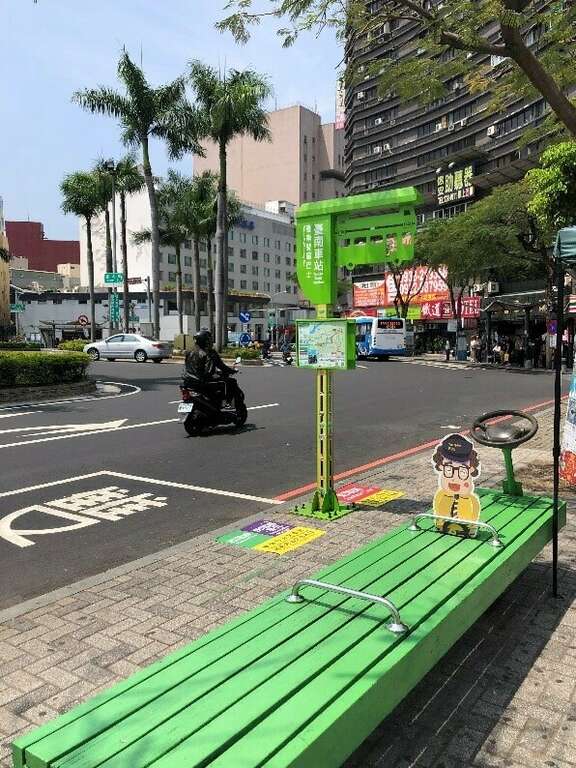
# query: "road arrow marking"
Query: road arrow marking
{"points": [[20, 413], [57, 429]]}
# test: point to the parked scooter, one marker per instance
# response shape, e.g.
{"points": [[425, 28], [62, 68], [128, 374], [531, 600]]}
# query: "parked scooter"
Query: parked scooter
{"points": [[287, 358], [204, 410]]}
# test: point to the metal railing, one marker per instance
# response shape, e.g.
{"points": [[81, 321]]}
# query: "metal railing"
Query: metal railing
{"points": [[495, 541], [396, 625]]}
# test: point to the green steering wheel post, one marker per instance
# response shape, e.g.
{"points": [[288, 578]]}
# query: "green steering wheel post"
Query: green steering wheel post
{"points": [[510, 485]]}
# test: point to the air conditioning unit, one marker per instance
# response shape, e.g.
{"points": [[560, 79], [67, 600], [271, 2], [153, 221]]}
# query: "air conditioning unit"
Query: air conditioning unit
{"points": [[379, 121], [493, 287], [386, 28], [451, 126], [469, 55], [377, 150], [360, 95], [386, 147], [420, 51], [438, 127], [491, 130], [478, 287], [392, 122], [464, 121]]}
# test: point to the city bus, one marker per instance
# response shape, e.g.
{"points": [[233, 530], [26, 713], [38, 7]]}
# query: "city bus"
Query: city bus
{"points": [[381, 337]]}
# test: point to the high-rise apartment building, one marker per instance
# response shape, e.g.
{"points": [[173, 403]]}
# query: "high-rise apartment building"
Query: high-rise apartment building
{"points": [[303, 162], [453, 150]]}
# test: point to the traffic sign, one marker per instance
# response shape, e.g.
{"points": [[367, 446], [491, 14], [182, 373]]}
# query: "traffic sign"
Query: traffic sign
{"points": [[134, 280], [244, 339], [115, 307], [113, 278], [83, 320], [16, 308], [245, 317]]}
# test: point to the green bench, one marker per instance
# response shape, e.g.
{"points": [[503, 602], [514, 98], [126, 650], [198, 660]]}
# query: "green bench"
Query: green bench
{"points": [[303, 684]]}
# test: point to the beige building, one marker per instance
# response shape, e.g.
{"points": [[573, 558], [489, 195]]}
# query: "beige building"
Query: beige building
{"points": [[303, 162], [4, 277]]}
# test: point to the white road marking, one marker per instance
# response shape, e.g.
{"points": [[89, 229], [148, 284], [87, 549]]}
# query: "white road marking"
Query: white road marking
{"points": [[46, 429], [91, 431], [365, 367], [21, 413], [167, 483], [250, 407], [80, 398]]}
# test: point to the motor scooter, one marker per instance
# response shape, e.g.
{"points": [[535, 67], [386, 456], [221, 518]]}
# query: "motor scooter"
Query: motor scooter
{"points": [[204, 406]]}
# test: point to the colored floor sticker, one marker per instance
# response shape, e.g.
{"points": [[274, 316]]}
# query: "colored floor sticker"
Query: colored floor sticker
{"points": [[268, 527], [290, 540], [351, 493], [245, 539], [382, 497]]}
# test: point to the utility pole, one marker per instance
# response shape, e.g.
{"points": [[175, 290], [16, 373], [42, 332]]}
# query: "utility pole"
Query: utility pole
{"points": [[111, 168], [149, 299]]}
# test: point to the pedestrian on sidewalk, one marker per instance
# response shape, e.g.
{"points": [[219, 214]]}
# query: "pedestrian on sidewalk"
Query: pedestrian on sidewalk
{"points": [[447, 349]]}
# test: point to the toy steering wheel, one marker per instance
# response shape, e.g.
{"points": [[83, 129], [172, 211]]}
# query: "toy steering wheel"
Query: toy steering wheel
{"points": [[504, 435]]}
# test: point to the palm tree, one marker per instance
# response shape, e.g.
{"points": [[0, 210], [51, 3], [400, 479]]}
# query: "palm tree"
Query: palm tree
{"points": [[145, 112], [233, 211], [102, 171], [83, 194], [129, 180], [172, 231], [230, 105]]}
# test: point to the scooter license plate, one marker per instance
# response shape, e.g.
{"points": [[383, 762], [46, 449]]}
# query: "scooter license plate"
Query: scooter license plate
{"points": [[185, 407]]}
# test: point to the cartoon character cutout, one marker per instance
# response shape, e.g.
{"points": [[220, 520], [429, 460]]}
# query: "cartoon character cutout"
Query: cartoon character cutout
{"points": [[457, 464]]}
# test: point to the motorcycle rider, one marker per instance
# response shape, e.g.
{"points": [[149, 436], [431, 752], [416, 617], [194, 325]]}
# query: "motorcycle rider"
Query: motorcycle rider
{"points": [[206, 367]]}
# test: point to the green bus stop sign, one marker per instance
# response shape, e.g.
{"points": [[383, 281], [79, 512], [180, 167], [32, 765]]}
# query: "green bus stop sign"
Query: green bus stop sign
{"points": [[375, 228]]}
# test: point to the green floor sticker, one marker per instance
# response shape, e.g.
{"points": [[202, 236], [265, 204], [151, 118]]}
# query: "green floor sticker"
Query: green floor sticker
{"points": [[245, 539]]}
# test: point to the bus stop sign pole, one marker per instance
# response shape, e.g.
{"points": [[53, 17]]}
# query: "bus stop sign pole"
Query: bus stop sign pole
{"points": [[346, 232]]}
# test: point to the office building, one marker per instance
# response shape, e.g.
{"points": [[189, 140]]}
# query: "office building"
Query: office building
{"points": [[27, 241], [303, 162], [454, 150]]}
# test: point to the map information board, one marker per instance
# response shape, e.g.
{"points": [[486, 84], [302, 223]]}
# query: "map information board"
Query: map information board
{"points": [[327, 344]]}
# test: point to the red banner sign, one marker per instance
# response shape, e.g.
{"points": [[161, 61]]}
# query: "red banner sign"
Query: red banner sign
{"points": [[370, 293], [420, 284], [442, 310]]}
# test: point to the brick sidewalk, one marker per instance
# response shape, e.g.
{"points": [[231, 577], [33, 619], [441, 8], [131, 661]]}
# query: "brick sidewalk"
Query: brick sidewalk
{"points": [[504, 696]]}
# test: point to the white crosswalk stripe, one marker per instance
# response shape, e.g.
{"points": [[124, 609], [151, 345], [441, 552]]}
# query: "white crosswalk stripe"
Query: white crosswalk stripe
{"points": [[435, 364]]}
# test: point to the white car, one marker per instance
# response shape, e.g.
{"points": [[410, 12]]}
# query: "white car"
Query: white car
{"points": [[129, 346]]}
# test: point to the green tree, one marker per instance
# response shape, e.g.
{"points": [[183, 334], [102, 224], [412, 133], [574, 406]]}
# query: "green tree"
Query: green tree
{"points": [[145, 112], [553, 188], [82, 195], [450, 31], [230, 105], [102, 171], [129, 180]]}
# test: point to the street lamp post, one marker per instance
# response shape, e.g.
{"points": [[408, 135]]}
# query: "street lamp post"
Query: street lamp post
{"points": [[111, 168]]}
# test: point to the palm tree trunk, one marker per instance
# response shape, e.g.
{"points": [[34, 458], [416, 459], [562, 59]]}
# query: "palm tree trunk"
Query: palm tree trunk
{"points": [[210, 286], [124, 247], [108, 262], [90, 254], [196, 281], [221, 293], [155, 236], [178, 248]]}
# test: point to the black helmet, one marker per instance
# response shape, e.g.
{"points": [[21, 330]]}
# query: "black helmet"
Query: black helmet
{"points": [[203, 338]]}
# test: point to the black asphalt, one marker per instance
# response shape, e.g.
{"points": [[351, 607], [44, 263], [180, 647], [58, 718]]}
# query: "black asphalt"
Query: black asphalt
{"points": [[379, 410]]}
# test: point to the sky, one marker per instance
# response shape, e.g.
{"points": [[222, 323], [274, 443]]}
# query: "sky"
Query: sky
{"points": [[54, 47]]}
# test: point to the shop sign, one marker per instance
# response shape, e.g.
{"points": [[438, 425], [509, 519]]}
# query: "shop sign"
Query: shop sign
{"points": [[442, 310], [455, 185], [370, 293], [419, 284]]}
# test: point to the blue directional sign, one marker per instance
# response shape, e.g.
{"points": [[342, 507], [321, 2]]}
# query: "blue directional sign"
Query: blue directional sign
{"points": [[245, 317], [244, 339]]}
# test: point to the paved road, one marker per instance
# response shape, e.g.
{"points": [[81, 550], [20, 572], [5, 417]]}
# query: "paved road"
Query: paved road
{"points": [[120, 475]]}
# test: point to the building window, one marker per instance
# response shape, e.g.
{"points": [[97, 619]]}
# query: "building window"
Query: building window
{"points": [[243, 269], [255, 270], [294, 289], [243, 284], [278, 288], [161, 275], [171, 258], [313, 195], [203, 280], [230, 234], [288, 261], [254, 255], [266, 242], [266, 271], [188, 244], [202, 263], [242, 237], [267, 258], [277, 244], [187, 261], [277, 274], [267, 287], [277, 259], [202, 245], [187, 278], [254, 285], [230, 252], [171, 276], [254, 239], [288, 246], [305, 157], [242, 253], [230, 283], [305, 175]]}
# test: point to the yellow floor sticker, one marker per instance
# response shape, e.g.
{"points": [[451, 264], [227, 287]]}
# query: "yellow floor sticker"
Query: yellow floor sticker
{"points": [[380, 498], [289, 540]]}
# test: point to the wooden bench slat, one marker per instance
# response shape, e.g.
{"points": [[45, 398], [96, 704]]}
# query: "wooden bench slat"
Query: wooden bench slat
{"points": [[437, 582]]}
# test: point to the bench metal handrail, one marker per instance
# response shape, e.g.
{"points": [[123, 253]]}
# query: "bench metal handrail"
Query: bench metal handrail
{"points": [[495, 541], [396, 625]]}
